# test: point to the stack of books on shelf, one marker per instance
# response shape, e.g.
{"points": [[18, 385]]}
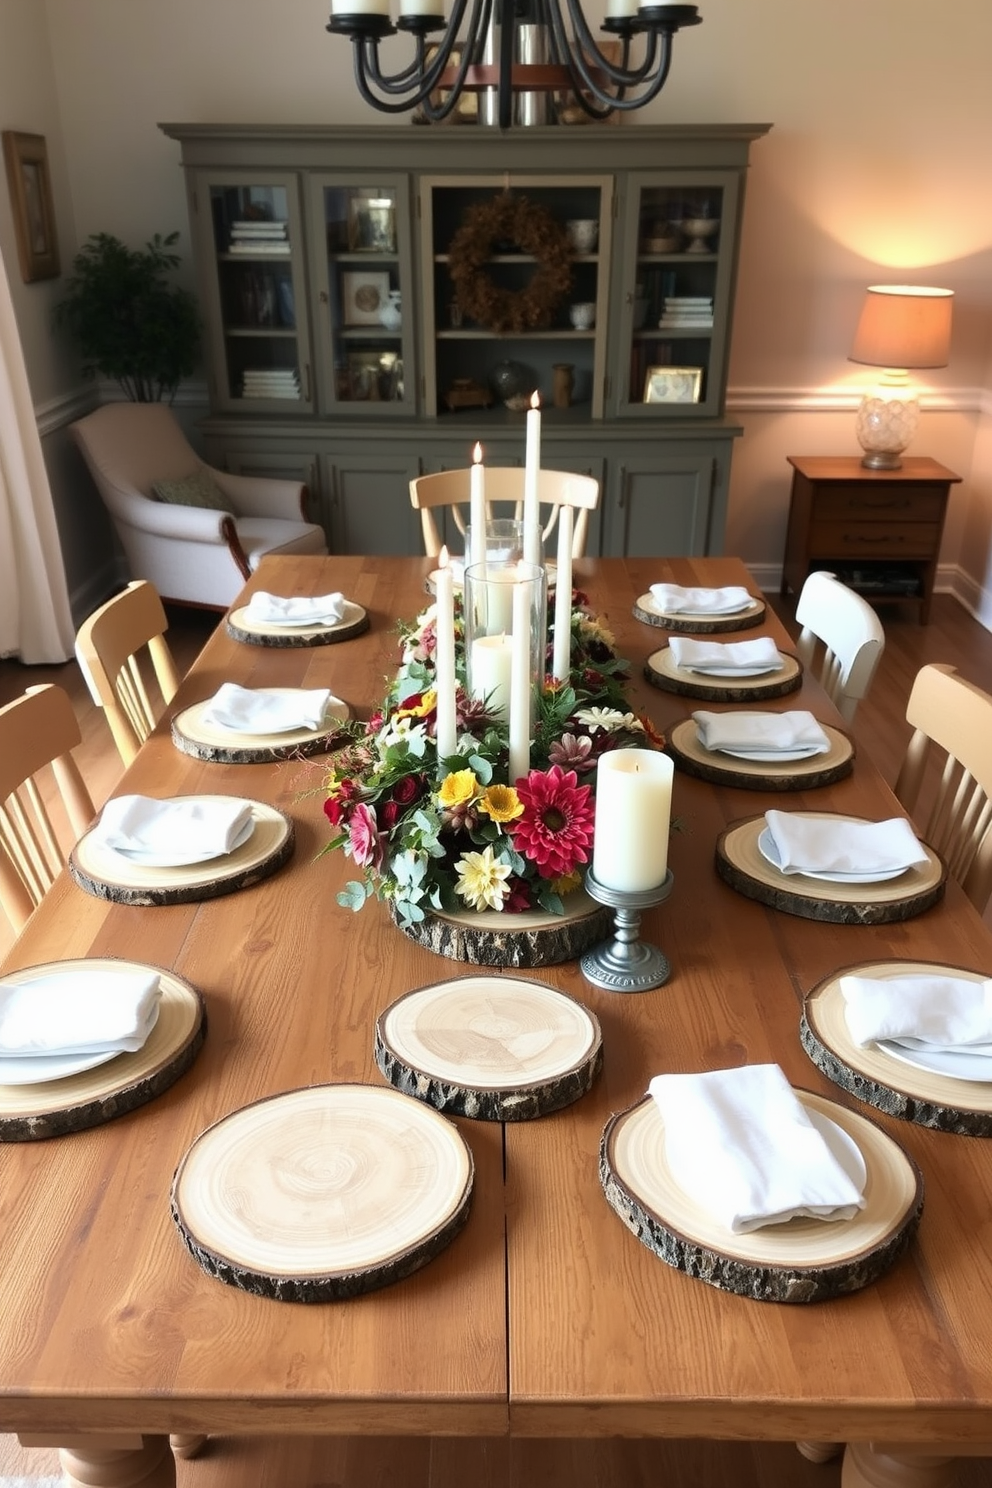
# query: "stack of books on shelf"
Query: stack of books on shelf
{"points": [[687, 311], [270, 382], [260, 237]]}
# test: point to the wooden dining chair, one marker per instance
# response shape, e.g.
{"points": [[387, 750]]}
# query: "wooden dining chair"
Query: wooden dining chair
{"points": [[38, 732], [123, 655], [956, 815], [833, 616], [504, 487]]}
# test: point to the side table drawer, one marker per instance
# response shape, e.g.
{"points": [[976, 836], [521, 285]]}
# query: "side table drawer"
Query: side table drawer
{"points": [[859, 504], [873, 540]]}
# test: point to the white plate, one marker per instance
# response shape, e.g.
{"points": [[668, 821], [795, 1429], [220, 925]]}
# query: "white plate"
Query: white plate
{"points": [[312, 622], [957, 1066], [737, 609], [37, 1069], [705, 671], [768, 850], [177, 858], [771, 756]]}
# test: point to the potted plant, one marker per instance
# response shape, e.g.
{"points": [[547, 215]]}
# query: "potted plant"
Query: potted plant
{"points": [[127, 320]]}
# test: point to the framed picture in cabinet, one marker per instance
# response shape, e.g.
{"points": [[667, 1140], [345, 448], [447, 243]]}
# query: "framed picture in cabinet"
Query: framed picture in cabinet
{"points": [[673, 384], [371, 223], [363, 295], [26, 159]]}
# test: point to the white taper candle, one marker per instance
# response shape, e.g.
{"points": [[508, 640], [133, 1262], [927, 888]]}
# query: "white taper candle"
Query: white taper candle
{"points": [[520, 684], [532, 466], [562, 660], [444, 660], [477, 510]]}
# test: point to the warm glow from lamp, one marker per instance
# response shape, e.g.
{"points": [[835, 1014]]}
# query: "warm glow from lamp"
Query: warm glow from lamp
{"points": [[901, 327]]}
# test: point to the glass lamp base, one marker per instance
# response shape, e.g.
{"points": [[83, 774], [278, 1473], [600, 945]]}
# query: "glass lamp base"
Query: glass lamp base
{"points": [[885, 425]]}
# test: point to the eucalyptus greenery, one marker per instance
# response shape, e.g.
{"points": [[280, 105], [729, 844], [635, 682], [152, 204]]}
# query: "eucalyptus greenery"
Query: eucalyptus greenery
{"points": [[127, 320]]}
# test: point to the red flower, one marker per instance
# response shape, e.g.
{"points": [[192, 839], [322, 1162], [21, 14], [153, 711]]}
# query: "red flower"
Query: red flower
{"points": [[519, 899], [557, 825], [390, 812], [336, 812], [407, 789]]}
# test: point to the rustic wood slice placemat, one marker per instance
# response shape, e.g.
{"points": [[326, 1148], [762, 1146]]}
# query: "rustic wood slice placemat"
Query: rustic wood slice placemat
{"points": [[661, 671], [492, 1048], [805, 1260], [355, 622], [877, 1077], [323, 1193], [646, 610], [205, 741], [693, 758], [522, 941], [95, 1096], [109, 875], [742, 865]]}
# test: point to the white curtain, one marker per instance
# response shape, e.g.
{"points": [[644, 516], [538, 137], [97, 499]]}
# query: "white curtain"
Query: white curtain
{"points": [[35, 619]]}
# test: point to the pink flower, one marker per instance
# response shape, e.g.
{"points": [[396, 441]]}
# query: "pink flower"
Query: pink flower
{"points": [[364, 840], [556, 828]]}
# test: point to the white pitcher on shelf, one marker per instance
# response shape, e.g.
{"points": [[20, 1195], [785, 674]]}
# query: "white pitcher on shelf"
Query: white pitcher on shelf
{"points": [[391, 315]]}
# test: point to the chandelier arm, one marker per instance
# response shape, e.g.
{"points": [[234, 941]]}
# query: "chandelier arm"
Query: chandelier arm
{"points": [[414, 83], [586, 48], [561, 55]]}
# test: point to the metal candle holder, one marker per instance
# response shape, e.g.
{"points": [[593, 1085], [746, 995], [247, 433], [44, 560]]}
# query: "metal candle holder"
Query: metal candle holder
{"points": [[626, 964]]}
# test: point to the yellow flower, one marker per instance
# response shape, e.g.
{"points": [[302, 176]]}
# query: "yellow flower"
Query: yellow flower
{"points": [[457, 788], [501, 803], [565, 884], [481, 880], [428, 702]]}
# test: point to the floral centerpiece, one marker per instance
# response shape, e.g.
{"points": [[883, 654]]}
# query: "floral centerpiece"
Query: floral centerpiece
{"points": [[455, 834]]}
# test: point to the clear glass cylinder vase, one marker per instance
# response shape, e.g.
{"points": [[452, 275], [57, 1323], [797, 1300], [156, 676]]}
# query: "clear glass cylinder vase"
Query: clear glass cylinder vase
{"points": [[506, 628]]}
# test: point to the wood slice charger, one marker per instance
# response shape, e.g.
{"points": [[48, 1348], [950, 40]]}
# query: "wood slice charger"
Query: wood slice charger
{"points": [[240, 627], [804, 1260], [661, 671], [521, 941], [107, 874], [492, 1048], [322, 1194], [205, 741], [742, 865], [125, 1082], [646, 610], [878, 1077], [693, 758]]}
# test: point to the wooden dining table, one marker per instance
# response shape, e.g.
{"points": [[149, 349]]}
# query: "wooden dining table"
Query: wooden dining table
{"points": [[545, 1317]]}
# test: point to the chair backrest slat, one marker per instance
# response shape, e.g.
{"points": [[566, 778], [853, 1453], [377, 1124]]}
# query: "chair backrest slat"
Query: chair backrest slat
{"points": [[834, 616], [120, 648], [504, 484]]}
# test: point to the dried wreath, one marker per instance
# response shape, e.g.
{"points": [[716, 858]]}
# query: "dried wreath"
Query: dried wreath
{"points": [[534, 230]]}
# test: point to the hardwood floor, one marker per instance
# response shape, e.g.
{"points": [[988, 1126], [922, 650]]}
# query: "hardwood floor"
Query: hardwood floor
{"points": [[356, 1462]]}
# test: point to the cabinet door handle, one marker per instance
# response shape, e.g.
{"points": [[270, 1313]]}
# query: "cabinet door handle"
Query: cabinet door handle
{"points": [[306, 382]]}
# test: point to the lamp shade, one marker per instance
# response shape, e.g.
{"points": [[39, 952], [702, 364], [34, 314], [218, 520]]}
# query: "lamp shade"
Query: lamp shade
{"points": [[904, 326]]}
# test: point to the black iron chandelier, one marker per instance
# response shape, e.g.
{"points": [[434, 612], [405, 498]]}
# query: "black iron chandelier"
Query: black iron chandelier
{"points": [[509, 49]]}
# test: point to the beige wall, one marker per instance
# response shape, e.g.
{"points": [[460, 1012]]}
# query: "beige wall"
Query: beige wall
{"points": [[876, 170]]}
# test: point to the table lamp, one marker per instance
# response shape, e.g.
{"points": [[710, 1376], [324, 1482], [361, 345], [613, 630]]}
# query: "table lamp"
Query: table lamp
{"points": [[901, 327]]}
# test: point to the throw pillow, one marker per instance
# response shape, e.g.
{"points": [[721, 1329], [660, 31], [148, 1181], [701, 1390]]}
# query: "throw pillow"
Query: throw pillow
{"points": [[198, 489]]}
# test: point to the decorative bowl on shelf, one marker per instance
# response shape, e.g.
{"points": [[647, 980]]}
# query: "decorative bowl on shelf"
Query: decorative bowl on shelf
{"points": [[699, 230], [582, 315], [583, 234], [512, 380]]}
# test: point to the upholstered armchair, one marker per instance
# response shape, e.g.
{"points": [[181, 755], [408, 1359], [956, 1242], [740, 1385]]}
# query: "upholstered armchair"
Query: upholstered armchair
{"points": [[199, 553]]}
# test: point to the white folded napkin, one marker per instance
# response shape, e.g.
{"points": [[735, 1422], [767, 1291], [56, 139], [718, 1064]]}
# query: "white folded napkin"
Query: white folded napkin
{"points": [[274, 609], [941, 1012], [248, 710], [720, 656], [807, 844], [210, 826], [673, 599], [766, 732], [78, 1013], [743, 1148]]}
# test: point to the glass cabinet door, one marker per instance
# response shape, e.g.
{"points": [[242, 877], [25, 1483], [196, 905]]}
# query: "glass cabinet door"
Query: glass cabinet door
{"points": [[674, 296], [363, 308], [257, 294], [472, 362]]}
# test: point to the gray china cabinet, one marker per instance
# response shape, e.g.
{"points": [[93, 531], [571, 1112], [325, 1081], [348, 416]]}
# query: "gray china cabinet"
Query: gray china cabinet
{"points": [[339, 349]]}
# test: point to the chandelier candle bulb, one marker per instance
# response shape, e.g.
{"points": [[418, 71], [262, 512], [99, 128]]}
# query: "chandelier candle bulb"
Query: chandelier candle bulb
{"points": [[562, 661], [521, 683], [477, 509], [532, 465], [444, 674], [633, 819]]}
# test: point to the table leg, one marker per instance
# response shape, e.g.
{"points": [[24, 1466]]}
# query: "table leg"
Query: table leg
{"points": [[818, 1451], [871, 1465], [187, 1444], [150, 1465]]}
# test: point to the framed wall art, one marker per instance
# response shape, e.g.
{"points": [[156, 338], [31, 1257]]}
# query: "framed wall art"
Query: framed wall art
{"points": [[673, 384], [26, 159], [363, 295]]}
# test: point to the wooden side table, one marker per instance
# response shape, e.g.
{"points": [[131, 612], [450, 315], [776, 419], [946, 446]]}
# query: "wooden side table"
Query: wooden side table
{"points": [[879, 531]]}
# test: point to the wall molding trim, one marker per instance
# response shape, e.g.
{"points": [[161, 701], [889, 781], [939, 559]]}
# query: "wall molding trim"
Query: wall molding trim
{"points": [[843, 400]]}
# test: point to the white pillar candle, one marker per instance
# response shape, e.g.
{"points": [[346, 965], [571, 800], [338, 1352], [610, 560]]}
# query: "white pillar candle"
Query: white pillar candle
{"points": [[421, 7], [633, 818], [444, 660], [477, 512], [500, 584], [491, 671], [520, 685], [562, 661], [360, 7], [617, 8], [532, 466]]}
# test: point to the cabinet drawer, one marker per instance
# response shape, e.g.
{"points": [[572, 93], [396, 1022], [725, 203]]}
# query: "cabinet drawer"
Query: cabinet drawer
{"points": [[874, 540], [860, 503]]}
